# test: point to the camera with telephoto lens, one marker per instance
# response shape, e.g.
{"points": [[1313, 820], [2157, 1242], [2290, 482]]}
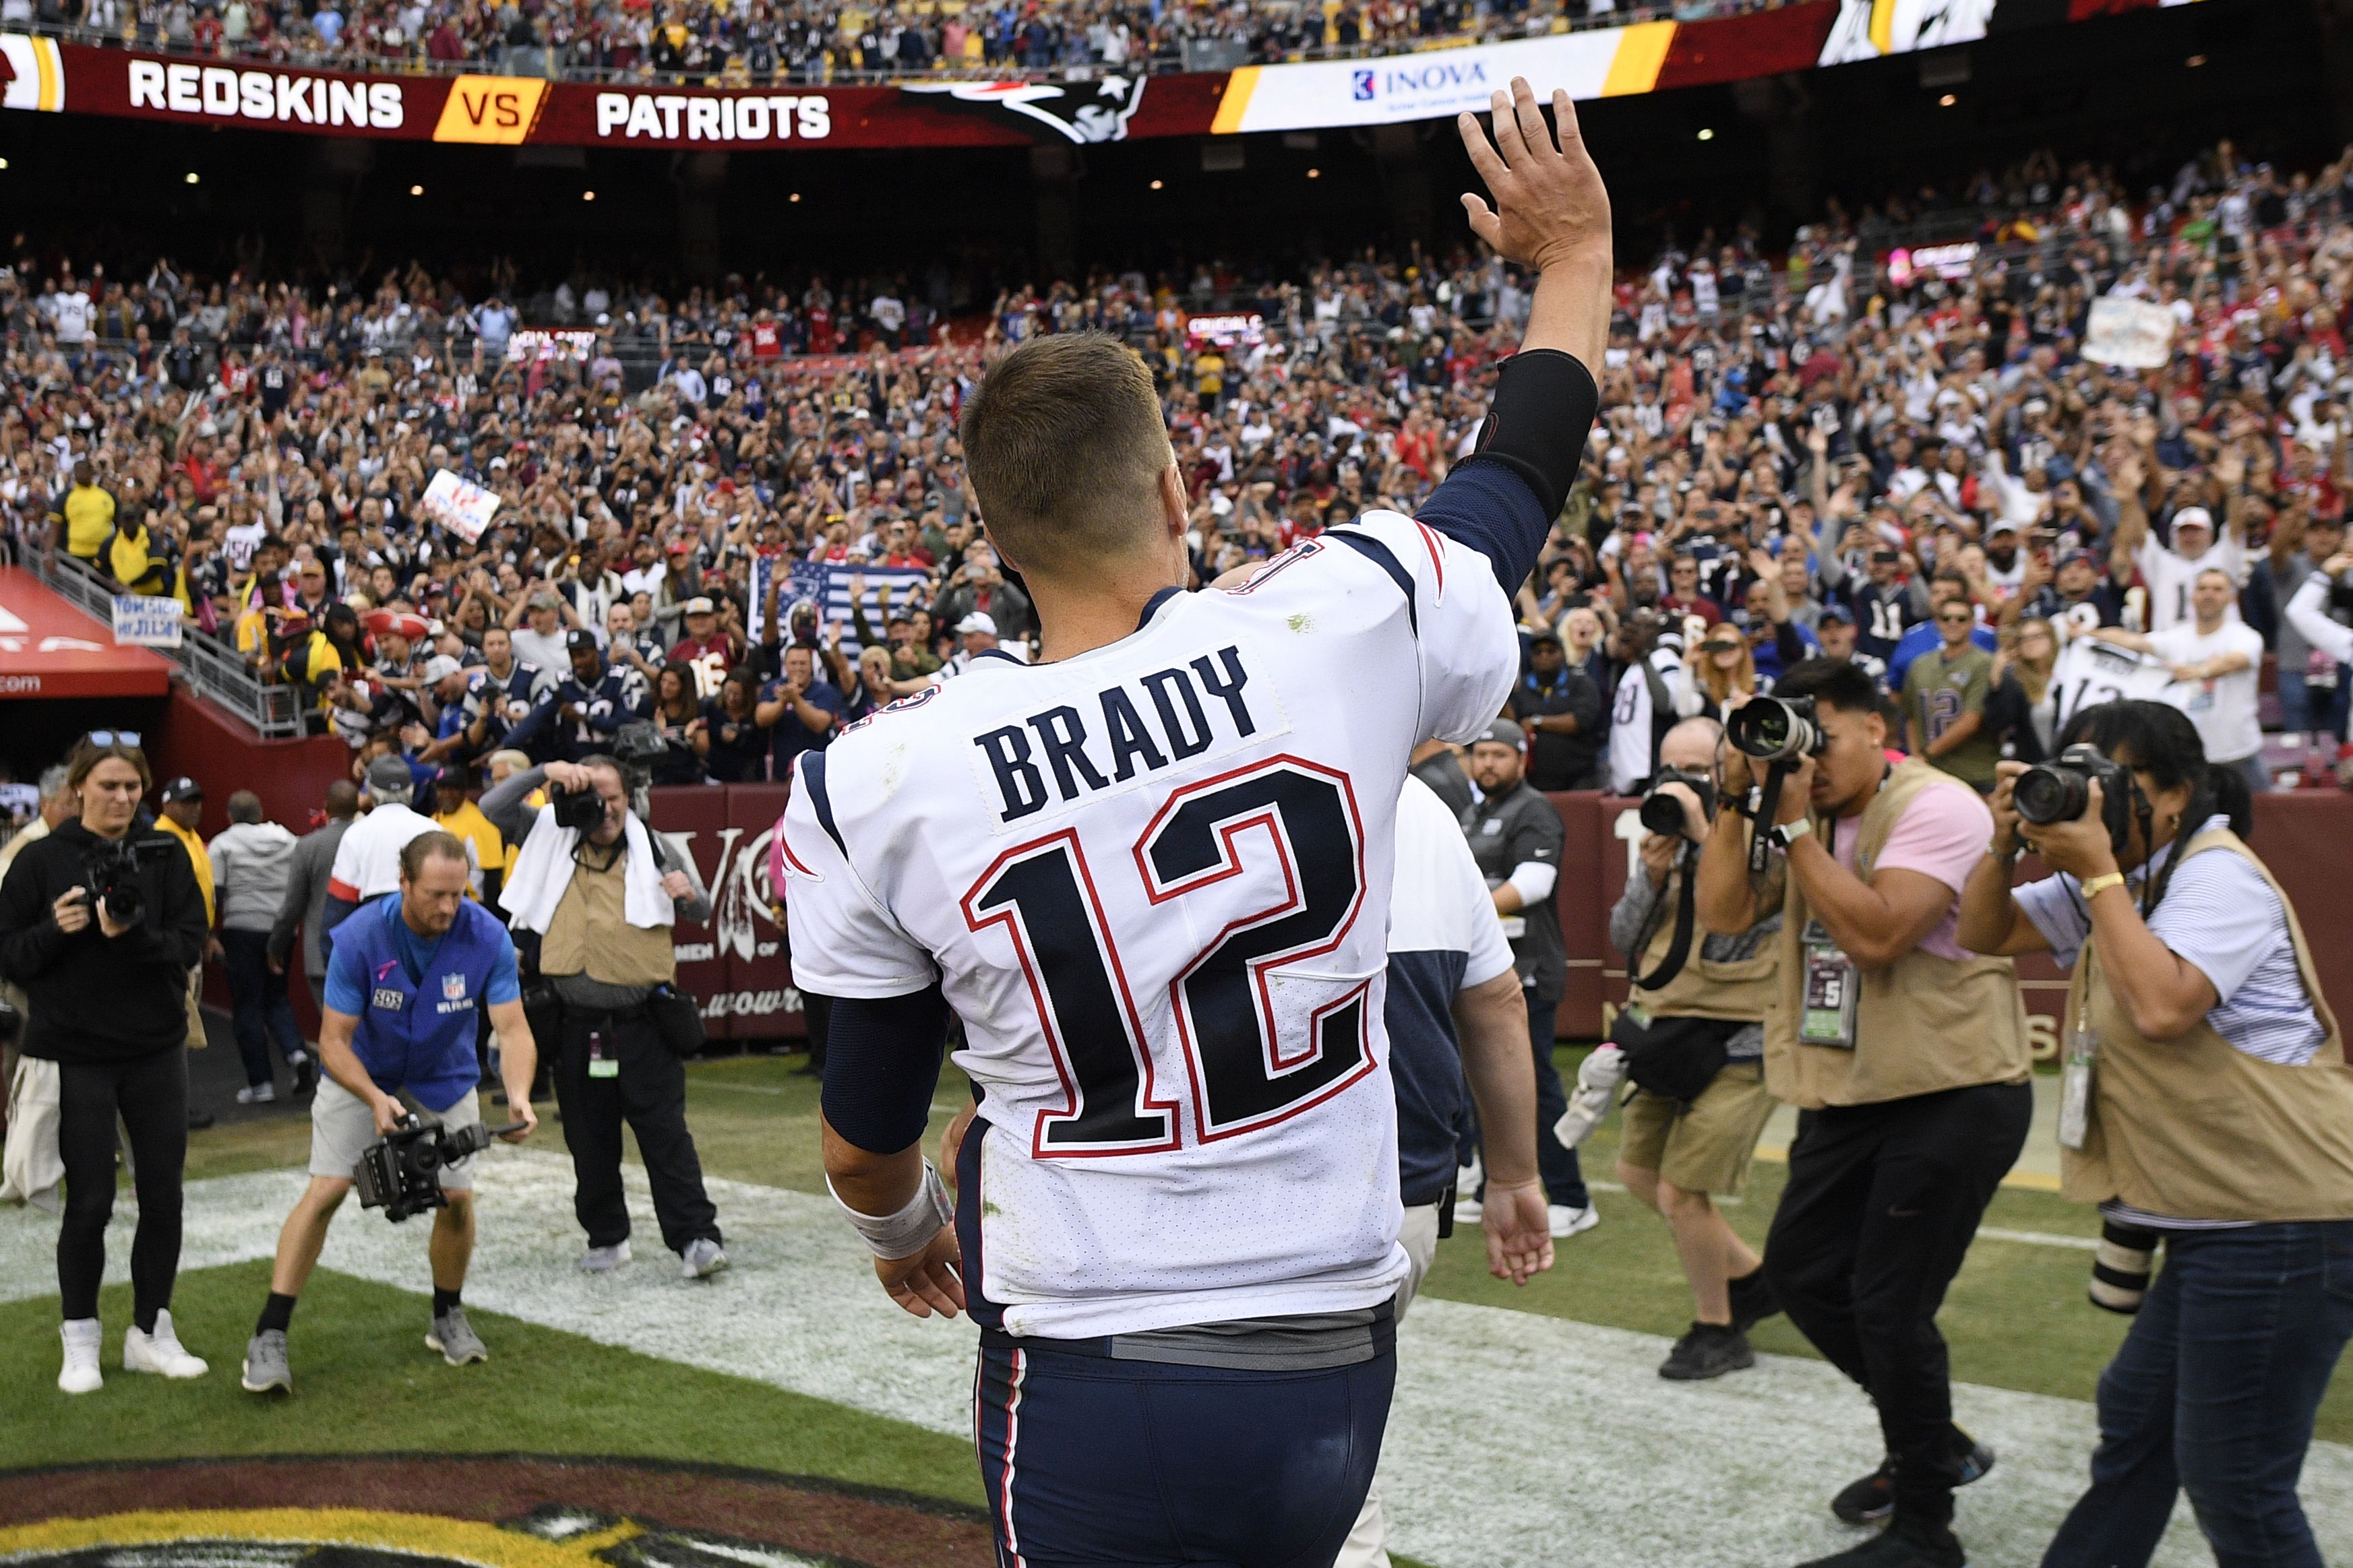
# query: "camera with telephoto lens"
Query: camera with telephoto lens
{"points": [[110, 868], [1774, 729], [401, 1172], [2060, 790], [1663, 814], [2121, 1267]]}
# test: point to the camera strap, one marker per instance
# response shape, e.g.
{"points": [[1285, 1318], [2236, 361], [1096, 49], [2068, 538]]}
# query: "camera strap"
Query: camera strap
{"points": [[1680, 945], [1768, 807]]}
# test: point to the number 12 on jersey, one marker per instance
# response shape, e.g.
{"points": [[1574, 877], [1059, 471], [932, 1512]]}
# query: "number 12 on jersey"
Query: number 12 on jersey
{"points": [[1245, 1069]]}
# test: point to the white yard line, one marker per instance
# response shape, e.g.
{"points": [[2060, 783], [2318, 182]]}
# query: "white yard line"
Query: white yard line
{"points": [[1516, 1439]]}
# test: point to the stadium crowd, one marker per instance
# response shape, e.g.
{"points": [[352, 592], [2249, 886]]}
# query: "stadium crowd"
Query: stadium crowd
{"points": [[805, 40], [740, 513]]}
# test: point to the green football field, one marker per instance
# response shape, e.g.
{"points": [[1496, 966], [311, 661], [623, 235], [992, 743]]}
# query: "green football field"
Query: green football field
{"points": [[575, 1381]]}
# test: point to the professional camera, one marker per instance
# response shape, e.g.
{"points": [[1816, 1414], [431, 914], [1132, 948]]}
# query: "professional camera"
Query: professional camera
{"points": [[2060, 790], [401, 1172], [1774, 729], [110, 868], [1663, 814], [581, 810]]}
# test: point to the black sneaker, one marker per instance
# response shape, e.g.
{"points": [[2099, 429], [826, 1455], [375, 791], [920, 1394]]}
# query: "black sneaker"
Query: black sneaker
{"points": [[1874, 1497], [306, 1074], [1906, 1544], [1709, 1350], [1753, 1300]]}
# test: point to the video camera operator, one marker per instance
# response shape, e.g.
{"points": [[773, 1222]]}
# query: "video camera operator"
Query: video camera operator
{"points": [[2206, 1105], [1692, 1036], [1905, 1056], [408, 973], [101, 921], [592, 899]]}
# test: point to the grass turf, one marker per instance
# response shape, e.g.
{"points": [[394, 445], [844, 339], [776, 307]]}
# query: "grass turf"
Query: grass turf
{"points": [[367, 1384], [2016, 1318]]}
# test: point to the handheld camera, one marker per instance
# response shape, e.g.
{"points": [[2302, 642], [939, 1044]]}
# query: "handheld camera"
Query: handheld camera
{"points": [[401, 1172], [1663, 814], [110, 868]]}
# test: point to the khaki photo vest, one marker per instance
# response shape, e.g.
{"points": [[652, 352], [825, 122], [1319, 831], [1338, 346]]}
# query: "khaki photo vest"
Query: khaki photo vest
{"points": [[2194, 1128], [1703, 988], [1922, 1024]]}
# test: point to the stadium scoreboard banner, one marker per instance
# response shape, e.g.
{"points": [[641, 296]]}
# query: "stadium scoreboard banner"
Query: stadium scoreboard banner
{"points": [[42, 75]]}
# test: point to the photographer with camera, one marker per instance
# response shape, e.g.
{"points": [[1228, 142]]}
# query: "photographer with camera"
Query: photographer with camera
{"points": [[2206, 1105], [409, 973], [592, 900], [1906, 1057], [101, 921], [1692, 1037]]}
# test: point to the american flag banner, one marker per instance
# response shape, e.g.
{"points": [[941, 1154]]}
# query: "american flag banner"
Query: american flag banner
{"points": [[826, 585]]}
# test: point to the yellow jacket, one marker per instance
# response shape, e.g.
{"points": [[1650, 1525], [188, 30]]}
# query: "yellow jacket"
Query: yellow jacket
{"points": [[198, 856]]}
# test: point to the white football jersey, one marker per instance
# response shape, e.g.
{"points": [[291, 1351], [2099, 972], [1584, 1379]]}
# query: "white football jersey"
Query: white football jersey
{"points": [[2089, 672], [1154, 881], [367, 858]]}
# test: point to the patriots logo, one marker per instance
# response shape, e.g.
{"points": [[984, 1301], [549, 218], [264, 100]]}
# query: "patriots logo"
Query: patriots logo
{"points": [[1082, 111]]}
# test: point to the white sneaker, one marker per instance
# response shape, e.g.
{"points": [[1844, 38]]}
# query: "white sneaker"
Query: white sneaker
{"points": [[81, 1374], [160, 1352], [702, 1258], [604, 1259], [1567, 1222], [257, 1094]]}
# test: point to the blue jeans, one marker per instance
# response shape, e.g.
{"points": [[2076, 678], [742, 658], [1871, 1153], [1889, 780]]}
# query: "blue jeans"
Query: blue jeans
{"points": [[2305, 707], [2213, 1393], [259, 1011]]}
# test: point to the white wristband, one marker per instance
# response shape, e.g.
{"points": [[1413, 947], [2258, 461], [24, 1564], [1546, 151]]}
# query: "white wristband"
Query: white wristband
{"points": [[893, 1236], [1788, 833]]}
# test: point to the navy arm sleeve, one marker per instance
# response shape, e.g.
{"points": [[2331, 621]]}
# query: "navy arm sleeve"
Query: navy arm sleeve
{"points": [[1501, 501], [882, 1061]]}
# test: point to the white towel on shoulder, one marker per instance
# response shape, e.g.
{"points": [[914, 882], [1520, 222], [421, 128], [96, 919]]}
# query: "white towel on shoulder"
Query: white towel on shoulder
{"points": [[543, 869]]}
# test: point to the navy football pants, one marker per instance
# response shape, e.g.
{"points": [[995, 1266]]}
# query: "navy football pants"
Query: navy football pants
{"points": [[1089, 1461]]}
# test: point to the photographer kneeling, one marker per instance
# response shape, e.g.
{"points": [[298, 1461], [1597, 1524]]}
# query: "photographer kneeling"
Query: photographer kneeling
{"points": [[1905, 1056], [408, 972], [2206, 1101], [101, 923], [1692, 1036], [592, 898]]}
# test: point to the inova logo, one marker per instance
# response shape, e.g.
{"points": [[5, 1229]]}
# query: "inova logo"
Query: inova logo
{"points": [[1434, 77]]}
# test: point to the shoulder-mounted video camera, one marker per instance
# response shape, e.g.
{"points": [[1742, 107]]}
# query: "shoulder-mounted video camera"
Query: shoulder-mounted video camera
{"points": [[110, 868], [401, 1172]]}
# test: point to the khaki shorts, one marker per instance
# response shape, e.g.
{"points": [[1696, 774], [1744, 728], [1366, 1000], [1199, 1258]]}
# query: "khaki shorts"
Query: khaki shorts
{"points": [[341, 1126], [1705, 1149]]}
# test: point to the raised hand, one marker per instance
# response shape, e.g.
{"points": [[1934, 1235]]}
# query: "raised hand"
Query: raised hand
{"points": [[1550, 204]]}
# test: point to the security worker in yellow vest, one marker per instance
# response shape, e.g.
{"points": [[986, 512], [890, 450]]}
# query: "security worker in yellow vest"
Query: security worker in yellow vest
{"points": [[2206, 1101], [1693, 1036], [1906, 1057]]}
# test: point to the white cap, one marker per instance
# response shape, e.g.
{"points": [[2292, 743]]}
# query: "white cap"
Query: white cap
{"points": [[979, 621], [699, 606], [440, 668], [2194, 517]]}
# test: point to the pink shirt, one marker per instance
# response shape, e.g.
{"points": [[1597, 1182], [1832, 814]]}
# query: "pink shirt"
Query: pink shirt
{"points": [[1942, 833]]}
